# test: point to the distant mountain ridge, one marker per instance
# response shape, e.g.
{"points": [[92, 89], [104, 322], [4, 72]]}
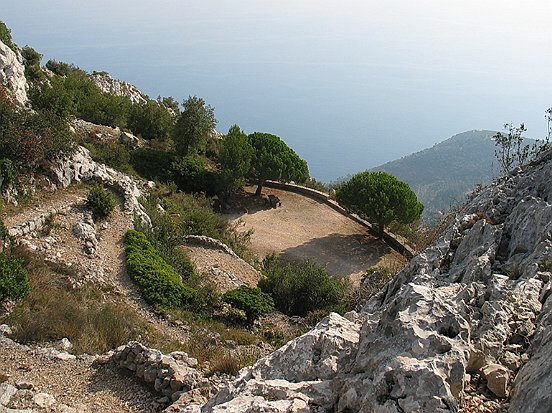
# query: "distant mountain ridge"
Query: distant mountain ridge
{"points": [[442, 175]]}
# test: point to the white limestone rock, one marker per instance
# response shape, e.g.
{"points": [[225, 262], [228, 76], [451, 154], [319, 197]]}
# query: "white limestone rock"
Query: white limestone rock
{"points": [[117, 87], [12, 74], [81, 167]]}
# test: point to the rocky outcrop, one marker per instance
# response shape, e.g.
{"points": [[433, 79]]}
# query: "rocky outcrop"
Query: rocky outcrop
{"points": [[475, 306], [12, 74], [81, 167], [173, 375], [117, 87]]}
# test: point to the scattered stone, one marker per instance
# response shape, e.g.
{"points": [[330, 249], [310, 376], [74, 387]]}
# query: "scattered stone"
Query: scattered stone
{"points": [[24, 385], [5, 330], [44, 400], [7, 391]]}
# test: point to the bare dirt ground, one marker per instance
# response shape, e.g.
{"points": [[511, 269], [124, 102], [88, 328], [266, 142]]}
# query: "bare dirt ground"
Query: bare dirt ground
{"points": [[224, 270], [303, 228]]}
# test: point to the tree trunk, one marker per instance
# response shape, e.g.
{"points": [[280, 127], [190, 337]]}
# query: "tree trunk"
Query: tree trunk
{"points": [[259, 187], [380, 228]]}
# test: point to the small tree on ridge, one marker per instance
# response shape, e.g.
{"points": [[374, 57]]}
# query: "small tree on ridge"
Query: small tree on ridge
{"points": [[380, 198]]}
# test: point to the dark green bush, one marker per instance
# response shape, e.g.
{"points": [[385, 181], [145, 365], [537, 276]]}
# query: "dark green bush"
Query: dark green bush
{"points": [[191, 175], [112, 154], [7, 172], [300, 288], [32, 59], [158, 281], [5, 36], [152, 164], [151, 120], [253, 301], [100, 201], [14, 282], [31, 139]]}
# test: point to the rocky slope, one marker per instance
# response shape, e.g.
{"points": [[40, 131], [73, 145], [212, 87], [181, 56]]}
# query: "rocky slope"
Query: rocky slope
{"points": [[117, 87], [464, 327], [12, 74]]}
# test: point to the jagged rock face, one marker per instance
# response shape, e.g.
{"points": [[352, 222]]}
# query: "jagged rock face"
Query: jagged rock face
{"points": [[117, 87], [12, 74], [476, 303], [81, 167]]}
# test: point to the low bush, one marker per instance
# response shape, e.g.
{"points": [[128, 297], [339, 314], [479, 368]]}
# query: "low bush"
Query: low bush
{"points": [[112, 154], [298, 288], [14, 281], [158, 281], [7, 172], [191, 175], [253, 301], [101, 201], [153, 164], [31, 139]]}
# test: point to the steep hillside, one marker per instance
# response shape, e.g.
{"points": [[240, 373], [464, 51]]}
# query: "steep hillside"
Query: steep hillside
{"points": [[442, 175], [464, 327]]}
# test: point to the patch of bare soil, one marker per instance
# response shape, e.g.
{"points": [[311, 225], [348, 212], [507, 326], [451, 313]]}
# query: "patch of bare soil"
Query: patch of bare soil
{"points": [[303, 228], [225, 271], [77, 383]]}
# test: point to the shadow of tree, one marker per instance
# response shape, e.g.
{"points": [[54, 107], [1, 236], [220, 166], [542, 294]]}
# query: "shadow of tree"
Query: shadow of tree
{"points": [[123, 385], [339, 254]]}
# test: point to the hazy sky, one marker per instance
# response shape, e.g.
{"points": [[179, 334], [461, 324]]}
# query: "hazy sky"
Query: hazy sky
{"points": [[349, 84]]}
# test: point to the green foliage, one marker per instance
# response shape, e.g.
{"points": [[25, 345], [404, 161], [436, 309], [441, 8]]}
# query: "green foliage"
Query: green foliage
{"points": [[151, 120], [110, 153], [31, 59], [510, 150], [273, 159], [153, 164], [29, 139], [380, 198], [194, 126], [253, 301], [298, 289], [7, 172], [60, 68], [317, 185], [100, 201], [170, 103], [545, 266], [190, 175], [158, 281], [75, 95], [235, 160], [5, 36], [14, 281]]}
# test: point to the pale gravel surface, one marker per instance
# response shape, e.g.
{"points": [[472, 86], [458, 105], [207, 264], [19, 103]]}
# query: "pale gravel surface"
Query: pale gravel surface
{"points": [[76, 383]]}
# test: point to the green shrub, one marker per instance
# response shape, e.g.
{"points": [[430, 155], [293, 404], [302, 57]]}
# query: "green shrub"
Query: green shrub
{"points": [[253, 301], [112, 154], [5, 36], [7, 172], [32, 59], [191, 175], [158, 281], [300, 288], [100, 201], [152, 164], [151, 120], [30, 139], [14, 282]]}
